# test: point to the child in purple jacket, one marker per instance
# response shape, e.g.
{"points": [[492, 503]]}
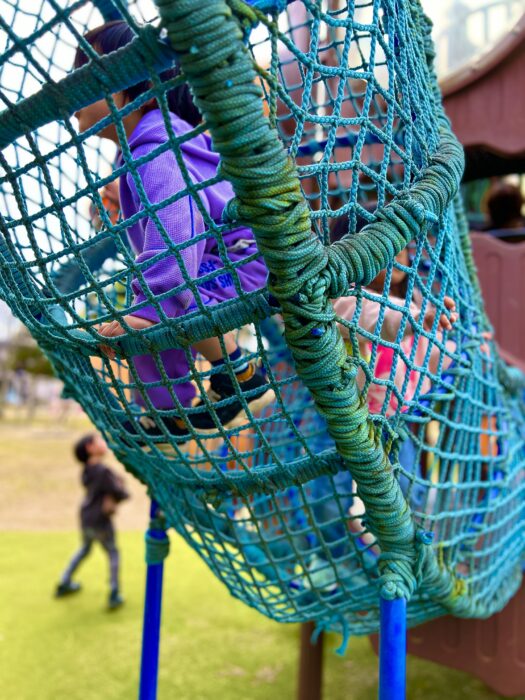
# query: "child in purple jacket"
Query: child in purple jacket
{"points": [[180, 221]]}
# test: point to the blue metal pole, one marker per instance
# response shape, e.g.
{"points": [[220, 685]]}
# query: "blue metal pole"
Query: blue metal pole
{"points": [[392, 649], [149, 665], [269, 5]]}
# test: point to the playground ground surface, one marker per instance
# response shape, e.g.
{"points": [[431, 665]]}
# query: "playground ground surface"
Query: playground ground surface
{"points": [[212, 645]]}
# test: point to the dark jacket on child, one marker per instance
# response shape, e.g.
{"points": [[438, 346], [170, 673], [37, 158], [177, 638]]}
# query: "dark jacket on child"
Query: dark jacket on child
{"points": [[99, 482]]}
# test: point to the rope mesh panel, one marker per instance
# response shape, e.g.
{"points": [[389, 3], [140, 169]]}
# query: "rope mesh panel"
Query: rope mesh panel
{"points": [[391, 458]]}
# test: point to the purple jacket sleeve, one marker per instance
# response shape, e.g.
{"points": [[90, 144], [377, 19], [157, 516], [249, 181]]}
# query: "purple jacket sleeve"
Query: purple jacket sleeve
{"points": [[161, 178]]}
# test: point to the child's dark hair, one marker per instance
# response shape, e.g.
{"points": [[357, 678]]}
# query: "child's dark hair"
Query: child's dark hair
{"points": [[114, 35], [81, 448], [504, 203]]}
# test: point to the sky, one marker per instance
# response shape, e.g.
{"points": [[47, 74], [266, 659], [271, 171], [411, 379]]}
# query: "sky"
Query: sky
{"points": [[465, 28], [8, 324]]}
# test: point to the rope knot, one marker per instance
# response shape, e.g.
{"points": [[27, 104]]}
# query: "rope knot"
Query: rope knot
{"points": [[425, 537], [389, 590]]}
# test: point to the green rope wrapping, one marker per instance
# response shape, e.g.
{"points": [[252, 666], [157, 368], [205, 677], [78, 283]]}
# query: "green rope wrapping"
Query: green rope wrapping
{"points": [[269, 200]]}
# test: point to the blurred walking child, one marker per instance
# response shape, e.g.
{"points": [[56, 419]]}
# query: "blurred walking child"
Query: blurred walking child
{"points": [[104, 491]]}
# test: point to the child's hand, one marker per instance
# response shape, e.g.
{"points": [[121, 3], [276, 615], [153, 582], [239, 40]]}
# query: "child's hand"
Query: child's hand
{"points": [[445, 324], [111, 193], [484, 347], [114, 329], [111, 202], [109, 505]]}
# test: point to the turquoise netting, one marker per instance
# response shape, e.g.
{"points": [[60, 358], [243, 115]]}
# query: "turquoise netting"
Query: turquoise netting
{"points": [[358, 480]]}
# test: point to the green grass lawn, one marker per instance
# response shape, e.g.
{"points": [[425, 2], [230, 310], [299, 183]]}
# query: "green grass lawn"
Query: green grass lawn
{"points": [[212, 646]]}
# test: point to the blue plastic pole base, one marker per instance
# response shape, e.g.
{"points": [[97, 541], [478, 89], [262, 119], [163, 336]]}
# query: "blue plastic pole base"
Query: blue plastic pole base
{"points": [[149, 666], [392, 649]]}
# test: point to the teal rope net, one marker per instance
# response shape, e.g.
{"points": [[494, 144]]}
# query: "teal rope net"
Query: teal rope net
{"points": [[390, 462]]}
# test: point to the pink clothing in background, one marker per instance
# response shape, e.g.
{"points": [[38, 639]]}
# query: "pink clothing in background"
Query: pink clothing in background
{"points": [[345, 308]]}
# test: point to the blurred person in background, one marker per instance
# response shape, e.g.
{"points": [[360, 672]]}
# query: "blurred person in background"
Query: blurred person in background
{"points": [[104, 491]]}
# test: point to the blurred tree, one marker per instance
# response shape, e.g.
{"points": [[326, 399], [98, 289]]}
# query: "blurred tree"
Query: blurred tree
{"points": [[24, 354]]}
